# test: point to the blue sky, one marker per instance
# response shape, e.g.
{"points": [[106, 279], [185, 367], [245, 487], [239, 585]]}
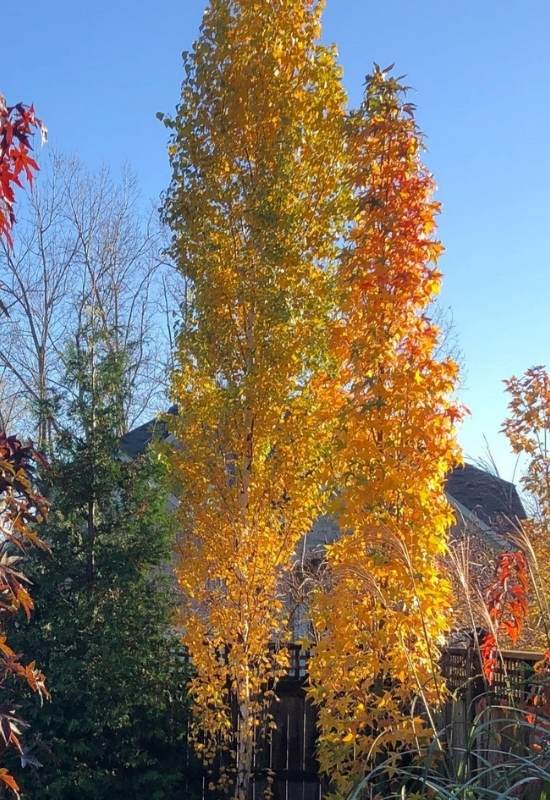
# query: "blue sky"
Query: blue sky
{"points": [[98, 72]]}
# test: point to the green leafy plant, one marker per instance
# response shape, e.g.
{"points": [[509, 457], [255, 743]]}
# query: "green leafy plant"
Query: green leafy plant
{"points": [[499, 759], [103, 629]]}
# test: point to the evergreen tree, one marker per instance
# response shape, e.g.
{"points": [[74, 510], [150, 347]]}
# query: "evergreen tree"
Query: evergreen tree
{"points": [[104, 603]]}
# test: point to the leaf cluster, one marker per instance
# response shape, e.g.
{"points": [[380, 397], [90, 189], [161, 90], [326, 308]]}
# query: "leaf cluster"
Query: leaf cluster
{"points": [[16, 127], [22, 507]]}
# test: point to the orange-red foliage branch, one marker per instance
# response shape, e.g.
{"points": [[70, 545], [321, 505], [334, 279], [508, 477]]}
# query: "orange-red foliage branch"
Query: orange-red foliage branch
{"points": [[21, 508], [507, 606], [16, 127]]}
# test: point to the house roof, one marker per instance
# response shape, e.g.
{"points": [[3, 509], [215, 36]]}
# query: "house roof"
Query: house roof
{"points": [[493, 500], [136, 441]]}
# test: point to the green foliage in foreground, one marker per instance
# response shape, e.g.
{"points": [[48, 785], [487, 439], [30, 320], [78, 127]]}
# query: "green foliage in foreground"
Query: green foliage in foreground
{"points": [[116, 722], [504, 755]]}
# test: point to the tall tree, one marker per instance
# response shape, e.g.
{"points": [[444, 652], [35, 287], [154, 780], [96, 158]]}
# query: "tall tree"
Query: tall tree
{"points": [[83, 242], [255, 207], [103, 626], [381, 617], [16, 162]]}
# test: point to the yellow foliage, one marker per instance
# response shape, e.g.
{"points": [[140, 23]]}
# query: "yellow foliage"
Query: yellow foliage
{"points": [[384, 613], [256, 205]]}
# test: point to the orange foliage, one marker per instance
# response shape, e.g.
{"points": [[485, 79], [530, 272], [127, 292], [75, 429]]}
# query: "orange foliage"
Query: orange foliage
{"points": [[506, 605], [381, 620], [21, 507], [528, 431]]}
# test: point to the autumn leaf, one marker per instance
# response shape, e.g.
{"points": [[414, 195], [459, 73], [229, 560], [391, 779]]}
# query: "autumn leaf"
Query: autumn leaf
{"points": [[9, 781]]}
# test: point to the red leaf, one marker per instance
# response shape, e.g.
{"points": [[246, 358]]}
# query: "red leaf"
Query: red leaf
{"points": [[10, 781]]}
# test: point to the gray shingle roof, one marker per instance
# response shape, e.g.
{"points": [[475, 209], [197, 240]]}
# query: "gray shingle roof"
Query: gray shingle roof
{"points": [[492, 499], [135, 442]]}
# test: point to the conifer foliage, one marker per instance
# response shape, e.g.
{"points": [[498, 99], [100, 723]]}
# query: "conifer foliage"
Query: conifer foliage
{"points": [[104, 603], [384, 611], [255, 205]]}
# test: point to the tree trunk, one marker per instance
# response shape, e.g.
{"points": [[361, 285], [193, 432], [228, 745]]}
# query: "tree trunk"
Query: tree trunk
{"points": [[90, 562], [245, 750]]}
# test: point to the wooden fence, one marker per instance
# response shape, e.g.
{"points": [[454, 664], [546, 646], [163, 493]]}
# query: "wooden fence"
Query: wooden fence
{"points": [[484, 724], [289, 756]]}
